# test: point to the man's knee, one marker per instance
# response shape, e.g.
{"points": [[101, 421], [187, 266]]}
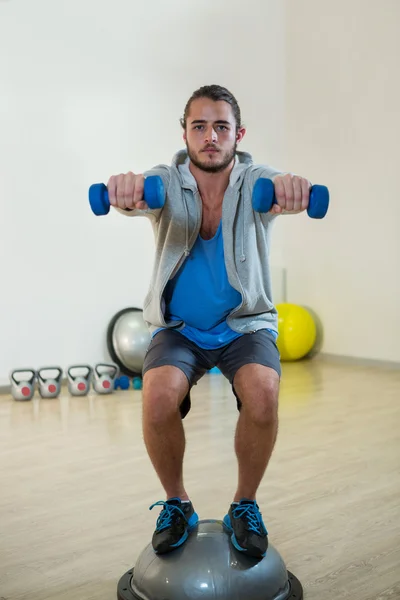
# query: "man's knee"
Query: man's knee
{"points": [[164, 391], [257, 389]]}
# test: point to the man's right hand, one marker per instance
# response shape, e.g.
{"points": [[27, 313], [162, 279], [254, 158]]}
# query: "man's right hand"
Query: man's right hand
{"points": [[126, 191]]}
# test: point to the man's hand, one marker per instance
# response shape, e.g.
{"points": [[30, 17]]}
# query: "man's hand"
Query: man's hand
{"points": [[292, 193], [126, 191]]}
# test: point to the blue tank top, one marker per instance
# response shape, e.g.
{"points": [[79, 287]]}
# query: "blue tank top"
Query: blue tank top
{"points": [[201, 295]]}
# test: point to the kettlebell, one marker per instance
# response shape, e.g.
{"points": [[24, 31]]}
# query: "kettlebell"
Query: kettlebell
{"points": [[105, 375], [78, 383], [49, 387], [22, 383]]}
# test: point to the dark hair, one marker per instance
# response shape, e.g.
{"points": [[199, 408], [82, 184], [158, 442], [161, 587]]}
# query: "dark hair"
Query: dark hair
{"points": [[213, 92]]}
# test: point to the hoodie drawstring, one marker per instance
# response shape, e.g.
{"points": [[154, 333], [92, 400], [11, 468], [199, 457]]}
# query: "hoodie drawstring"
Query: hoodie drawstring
{"points": [[186, 251], [243, 256]]}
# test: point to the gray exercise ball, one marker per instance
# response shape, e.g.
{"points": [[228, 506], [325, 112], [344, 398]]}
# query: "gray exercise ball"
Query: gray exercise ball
{"points": [[207, 567], [128, 338]]}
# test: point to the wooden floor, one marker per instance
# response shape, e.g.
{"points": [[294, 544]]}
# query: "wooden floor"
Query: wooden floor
{"points": [[76, 484]]}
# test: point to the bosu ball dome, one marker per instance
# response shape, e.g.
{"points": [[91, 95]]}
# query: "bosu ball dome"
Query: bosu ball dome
{"points": [[208, 567]]}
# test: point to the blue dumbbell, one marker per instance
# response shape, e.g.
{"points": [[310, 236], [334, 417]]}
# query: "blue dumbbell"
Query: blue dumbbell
{"points": [[137, 383], [153, 195], [264, 197], [122, 383]]}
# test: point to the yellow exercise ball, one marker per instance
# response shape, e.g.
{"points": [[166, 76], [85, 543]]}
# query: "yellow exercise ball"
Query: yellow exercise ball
{"points": [[297, 331]]}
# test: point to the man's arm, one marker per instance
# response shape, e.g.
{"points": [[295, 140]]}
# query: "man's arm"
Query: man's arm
{"points": [[292, 194], [126, 192]]}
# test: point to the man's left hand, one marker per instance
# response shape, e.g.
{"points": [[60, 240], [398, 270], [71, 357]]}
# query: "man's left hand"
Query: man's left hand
{"points": [[292, 193]]}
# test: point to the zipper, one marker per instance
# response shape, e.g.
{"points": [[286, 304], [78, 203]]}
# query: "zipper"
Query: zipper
{"points": [[181, 259], [238, 308]]}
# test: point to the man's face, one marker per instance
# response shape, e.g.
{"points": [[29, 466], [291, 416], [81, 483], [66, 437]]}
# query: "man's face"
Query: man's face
{"points": [[211, 136]]}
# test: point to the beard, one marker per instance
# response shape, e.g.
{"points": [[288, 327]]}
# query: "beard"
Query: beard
{"points": [[221, 161]]}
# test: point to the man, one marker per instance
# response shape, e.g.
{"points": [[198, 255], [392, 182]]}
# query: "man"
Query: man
{"points": [[209, 303]]}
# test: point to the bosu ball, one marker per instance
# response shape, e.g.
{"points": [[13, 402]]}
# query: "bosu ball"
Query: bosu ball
{"points": [[22, 383], [49, 380], [207, 566], [79, 377]]}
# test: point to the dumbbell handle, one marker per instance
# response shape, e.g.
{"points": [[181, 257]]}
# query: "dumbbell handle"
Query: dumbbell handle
{"points": [[264, 198], [153, 195]]}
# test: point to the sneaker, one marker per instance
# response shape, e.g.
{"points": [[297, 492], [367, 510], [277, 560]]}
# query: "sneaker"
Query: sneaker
{"points": [[245, 522], [174, 524]]}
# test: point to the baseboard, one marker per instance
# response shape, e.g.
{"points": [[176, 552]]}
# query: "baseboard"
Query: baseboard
{"points": [[320, 357], [360, 362]]}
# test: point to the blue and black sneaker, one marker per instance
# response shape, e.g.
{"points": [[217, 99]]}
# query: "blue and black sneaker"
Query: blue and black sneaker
{"points": [[174, 524], [245, 522]]}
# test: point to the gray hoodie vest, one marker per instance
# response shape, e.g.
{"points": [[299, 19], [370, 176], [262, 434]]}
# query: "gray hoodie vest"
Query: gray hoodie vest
{"points": [[246, 236]]}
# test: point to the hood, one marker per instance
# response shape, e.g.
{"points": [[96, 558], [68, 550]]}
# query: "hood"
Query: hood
{"points": [[181, 162]]}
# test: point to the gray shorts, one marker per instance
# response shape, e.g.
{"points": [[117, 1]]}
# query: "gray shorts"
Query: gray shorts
{"points": [[169, 347]]}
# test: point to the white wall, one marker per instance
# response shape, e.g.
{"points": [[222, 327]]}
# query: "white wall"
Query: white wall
{"points": [[342, 122], [93, 88]]}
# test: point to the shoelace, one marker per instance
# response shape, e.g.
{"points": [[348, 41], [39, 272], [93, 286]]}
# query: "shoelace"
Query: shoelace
{"points": [[165, 517], [252, 515]]}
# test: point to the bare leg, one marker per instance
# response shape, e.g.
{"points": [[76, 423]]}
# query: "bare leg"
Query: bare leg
{"points": [[258, 389], [164, 388]]}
